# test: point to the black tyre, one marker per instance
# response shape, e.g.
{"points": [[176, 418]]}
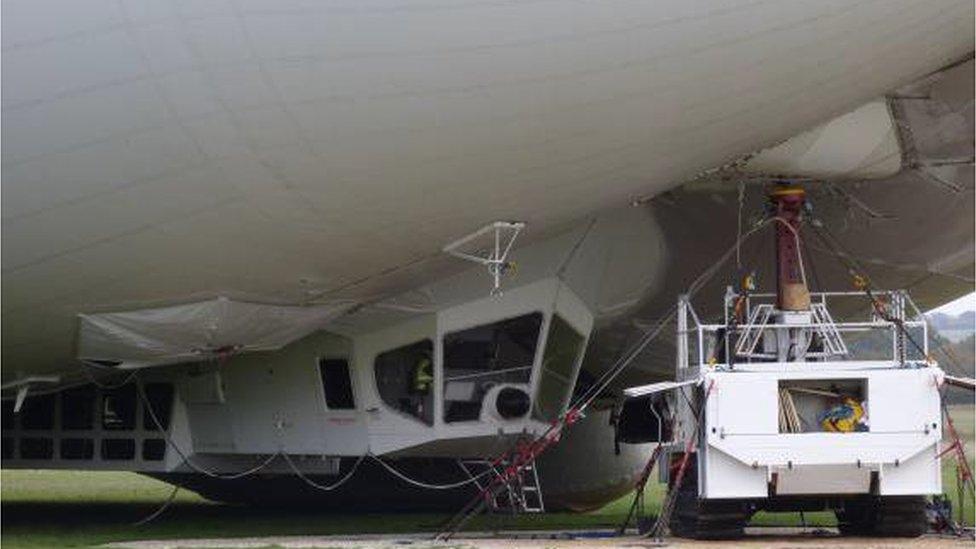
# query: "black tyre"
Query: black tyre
{"points": [[705, 519], [888, 516]]}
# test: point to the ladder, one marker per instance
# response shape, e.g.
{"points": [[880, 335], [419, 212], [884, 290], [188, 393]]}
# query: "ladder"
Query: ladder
{"points": [[821, 323], [753, 333], [833, 343], [522, 494]]}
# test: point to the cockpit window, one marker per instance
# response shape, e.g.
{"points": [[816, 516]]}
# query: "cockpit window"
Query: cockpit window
{"points": [[563, 348], [477, 359], [405, 379]]}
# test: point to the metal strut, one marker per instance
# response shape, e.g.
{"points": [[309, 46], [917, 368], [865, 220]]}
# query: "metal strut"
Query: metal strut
{"points": [[495, 258], [667, 507], [521, 492], [637, 506]]}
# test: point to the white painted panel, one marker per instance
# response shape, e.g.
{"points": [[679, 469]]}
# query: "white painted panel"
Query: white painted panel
{"points": [[903, 400], [726, 477], [212, 427], [861, 144], [538, 296], [819, 448], [920, 474], [823, 479], [747, 404]]}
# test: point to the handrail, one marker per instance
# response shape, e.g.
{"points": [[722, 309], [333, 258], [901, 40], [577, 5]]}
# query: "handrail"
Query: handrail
{"points": [[844, 326], [905, 311], [488, 373]]}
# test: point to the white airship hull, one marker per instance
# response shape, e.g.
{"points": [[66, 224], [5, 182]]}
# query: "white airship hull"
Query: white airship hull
{"points": [[158, 155]]}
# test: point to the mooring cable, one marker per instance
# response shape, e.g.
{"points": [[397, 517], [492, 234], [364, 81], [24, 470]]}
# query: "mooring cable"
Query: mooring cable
{"points": [[159, 511], [140, 390], [428, 486], [324, 487]]}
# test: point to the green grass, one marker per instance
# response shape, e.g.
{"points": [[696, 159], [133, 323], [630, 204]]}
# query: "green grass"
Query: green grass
{"points": [[86, 508], [965, 422]]}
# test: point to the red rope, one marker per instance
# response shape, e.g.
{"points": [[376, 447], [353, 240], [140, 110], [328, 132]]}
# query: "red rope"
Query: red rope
{"points": [[961, 461]]}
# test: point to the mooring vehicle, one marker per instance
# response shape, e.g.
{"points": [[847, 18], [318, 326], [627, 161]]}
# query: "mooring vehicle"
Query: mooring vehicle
{"points": [[780, 407]]}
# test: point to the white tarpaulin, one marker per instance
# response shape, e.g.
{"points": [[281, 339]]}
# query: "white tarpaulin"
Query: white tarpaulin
{"points": [[197, 331]]}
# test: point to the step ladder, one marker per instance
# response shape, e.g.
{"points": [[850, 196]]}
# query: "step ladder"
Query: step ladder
{"points": [[752, 332], [821, 324], [521, 494], [826, 328]]}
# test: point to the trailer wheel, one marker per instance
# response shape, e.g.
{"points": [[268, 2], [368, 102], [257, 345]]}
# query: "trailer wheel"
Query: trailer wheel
{"points": [[888, 516], [705, 519]]}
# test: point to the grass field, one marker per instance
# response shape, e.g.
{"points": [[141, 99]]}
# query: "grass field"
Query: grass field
{"points": [[82, 509]]}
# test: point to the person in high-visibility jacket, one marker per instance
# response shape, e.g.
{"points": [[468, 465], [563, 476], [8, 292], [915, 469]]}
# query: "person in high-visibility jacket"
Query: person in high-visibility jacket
{"points": [[423, 375]]}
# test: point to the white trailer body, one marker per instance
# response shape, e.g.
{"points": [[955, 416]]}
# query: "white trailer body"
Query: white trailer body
{"points": [[793, 411], [745, 455]]}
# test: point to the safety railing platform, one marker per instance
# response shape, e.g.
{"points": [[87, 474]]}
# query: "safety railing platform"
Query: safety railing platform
{"points": [[849, 327]]}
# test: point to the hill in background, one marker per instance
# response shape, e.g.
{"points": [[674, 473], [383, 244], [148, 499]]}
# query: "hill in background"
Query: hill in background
{"points": [[954, 327], [957, 335]]}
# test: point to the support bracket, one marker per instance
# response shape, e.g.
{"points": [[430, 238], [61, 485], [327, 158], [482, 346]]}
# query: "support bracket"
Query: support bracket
{"points": [[493, 254]]}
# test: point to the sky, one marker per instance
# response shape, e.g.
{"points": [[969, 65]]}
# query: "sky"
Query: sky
{"points": [[961, 305]]}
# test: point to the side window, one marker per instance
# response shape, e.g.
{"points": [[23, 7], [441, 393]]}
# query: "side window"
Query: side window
{"points": [[336, 383], [119, 409], [38, 412], [8, 414], [477, 359], [405, 379], [78, 409], [563, 348]]}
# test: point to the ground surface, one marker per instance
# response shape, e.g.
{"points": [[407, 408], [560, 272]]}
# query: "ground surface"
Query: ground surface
{"points": [[779, 538], [83, 509]]}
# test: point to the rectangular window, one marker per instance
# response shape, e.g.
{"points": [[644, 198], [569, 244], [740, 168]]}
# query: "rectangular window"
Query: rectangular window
{"points": [[118, 448], [564, 346], [37, 412], [8, 414], [36, 448], [823, 405], [78, 408], [477, 359], [153, 449], [77, 448], [404, 377], [336, 383], [119, 409]]}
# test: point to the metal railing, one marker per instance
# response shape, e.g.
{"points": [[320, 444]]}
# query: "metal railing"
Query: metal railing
{"points": [[899, 336]]}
